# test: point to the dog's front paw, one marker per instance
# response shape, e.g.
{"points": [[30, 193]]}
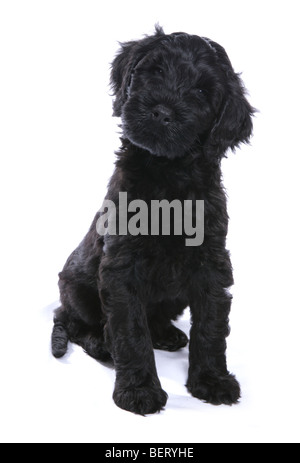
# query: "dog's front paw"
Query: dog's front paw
{"points": [[216, 390], [140, 400]]}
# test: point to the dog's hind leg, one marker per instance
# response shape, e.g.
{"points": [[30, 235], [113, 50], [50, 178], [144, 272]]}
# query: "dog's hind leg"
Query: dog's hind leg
{"points": [[60, 336], [165, 336], [80, 318], [90, 338], [168, 338]]}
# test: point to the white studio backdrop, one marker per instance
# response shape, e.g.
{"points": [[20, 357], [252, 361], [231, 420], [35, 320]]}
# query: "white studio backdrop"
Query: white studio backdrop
{"points": [[57, 143]]}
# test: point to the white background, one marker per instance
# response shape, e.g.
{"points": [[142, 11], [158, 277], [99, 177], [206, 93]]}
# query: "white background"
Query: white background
{"points": [[57, 143]]}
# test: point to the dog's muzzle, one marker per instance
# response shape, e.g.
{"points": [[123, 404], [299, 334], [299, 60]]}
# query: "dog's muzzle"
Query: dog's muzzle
{"points": [[162, 114]]}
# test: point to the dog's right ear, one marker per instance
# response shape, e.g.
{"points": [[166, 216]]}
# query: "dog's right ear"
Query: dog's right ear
{"points": [[123, 66], [121, 74]]}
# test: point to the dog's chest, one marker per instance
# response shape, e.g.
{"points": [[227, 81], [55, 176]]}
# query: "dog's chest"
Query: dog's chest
{"points": [[164, 267]]}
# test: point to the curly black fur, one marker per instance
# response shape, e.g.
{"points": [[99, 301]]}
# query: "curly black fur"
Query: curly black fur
{"points": [[182, 106]]}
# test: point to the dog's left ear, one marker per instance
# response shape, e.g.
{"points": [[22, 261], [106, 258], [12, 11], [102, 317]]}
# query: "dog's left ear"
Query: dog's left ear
{"points": [[233, 124]]}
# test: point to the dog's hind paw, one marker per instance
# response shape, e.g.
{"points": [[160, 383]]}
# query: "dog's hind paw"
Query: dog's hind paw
{"points": [[141, 400], [173, 339], [216, 390]]}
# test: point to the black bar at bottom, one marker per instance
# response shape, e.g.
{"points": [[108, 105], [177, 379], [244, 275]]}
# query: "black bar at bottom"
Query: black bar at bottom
{"points": [[146, 452]]}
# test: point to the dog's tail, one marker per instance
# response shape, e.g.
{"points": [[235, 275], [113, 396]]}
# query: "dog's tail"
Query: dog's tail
{"points": [[60, 336]]}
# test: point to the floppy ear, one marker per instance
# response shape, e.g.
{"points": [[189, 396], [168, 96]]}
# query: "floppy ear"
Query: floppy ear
{"points": [[233, 124], [121, 73], [130, 54]]}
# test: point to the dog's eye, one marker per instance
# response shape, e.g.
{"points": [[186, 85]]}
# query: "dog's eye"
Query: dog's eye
{"points": [[157, 70], [201, 91]]}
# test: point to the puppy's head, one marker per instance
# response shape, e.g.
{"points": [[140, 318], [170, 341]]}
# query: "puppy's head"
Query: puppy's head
{"points": [[177, 92]]}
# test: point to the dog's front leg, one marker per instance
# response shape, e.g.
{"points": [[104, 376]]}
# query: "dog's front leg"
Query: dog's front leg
{"points": [[209, 379], [137, 387]]}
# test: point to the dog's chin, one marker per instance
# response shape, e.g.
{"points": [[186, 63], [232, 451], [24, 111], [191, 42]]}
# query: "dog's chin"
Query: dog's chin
{"points": [[162, 146], [159, 150]]}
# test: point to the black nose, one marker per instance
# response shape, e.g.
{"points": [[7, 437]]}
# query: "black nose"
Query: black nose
{"points": [[162, 114]]}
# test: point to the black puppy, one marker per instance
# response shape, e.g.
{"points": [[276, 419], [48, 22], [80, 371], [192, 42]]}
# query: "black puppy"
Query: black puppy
{"points": [[182, 106]]}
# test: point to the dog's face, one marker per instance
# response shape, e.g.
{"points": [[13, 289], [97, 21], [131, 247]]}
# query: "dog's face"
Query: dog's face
{"points": [[176, 92]]}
